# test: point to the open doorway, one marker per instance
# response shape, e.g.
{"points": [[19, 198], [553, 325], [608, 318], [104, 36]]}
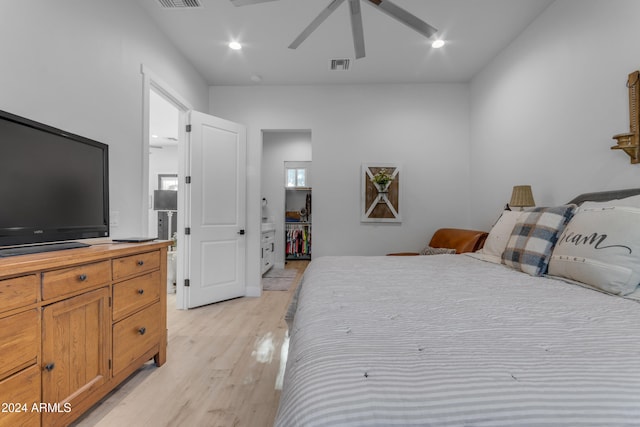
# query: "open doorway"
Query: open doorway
{"points": [[164, 121], [164, 116], [285, 207], [163, 166]]}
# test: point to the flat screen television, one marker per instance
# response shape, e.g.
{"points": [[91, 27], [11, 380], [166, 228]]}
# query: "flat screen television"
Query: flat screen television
{"points": [[54, 185]]}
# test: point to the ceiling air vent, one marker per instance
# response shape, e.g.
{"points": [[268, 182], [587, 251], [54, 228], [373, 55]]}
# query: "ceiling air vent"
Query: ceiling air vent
{"points": [[339, 64], [173, 4]]}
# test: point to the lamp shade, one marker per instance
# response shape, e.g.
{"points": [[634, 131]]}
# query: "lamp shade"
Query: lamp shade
{"points": [[522, 196], [165, 200]]}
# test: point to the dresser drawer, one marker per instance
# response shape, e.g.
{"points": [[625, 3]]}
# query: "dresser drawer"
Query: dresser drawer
{"points": [[67, 280], [266, 264], [19, 341], [268, 237], [18, 292], [135, 264], [135, 335], [267, 250], [133, 294], [18, 394]]}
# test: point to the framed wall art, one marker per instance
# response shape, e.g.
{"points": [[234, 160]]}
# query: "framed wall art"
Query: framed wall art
{"points": [[380, 199]]}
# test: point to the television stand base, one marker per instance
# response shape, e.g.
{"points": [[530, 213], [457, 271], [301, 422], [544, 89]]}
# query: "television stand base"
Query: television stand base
{"points": [[34, 249]]}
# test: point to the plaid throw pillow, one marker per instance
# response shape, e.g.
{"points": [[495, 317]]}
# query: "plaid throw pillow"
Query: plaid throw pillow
{"points": [[533, 238]]}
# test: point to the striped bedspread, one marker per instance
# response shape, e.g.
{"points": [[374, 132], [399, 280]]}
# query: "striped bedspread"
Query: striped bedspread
{"points": [[449, 340]]}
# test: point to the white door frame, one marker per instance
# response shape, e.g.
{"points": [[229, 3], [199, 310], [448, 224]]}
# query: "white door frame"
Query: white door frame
{"points": [[151, 81]]}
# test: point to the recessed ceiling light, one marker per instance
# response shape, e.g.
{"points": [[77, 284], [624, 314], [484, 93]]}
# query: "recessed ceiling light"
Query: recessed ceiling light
{"points": [[235, 45], [437, 44]]}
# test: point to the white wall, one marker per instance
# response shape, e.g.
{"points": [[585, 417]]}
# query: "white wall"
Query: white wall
{"points": [[279, 147], [543, 112], [425, 127], [75, 65]]}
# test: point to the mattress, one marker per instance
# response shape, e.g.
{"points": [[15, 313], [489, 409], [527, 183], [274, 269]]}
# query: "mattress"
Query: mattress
{"points": [[449, 340]]}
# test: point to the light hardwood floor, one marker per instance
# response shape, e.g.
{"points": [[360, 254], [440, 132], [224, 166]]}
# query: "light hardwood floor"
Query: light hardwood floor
{"points": [[213, 376]]}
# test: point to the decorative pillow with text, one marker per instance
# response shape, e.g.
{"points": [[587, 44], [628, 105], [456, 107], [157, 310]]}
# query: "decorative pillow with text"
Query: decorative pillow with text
{"points": [[601, 247]]}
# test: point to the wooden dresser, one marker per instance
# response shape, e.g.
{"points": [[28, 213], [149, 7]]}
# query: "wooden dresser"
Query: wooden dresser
{"points": [[74, 324]]}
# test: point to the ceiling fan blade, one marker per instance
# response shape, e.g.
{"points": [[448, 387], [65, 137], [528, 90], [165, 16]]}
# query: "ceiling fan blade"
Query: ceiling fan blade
{"points": [[315, 23], [248, 2], [356, 28], [405, 17]]}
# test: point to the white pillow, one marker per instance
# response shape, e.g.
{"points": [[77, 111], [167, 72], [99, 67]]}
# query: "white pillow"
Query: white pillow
{"points": [[633, 202], [499, 235], [601, 247]]}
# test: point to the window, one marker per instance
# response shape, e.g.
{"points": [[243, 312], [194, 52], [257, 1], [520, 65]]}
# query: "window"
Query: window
{"points": [[296, 177], [167, 182]]}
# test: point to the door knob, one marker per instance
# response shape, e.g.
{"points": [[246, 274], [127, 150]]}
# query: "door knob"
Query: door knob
{"points": [[241, 232]]}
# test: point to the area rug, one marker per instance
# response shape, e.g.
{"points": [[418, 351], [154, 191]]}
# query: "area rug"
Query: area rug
{"points": [[278, 279], [276, 283], [281, 272]]}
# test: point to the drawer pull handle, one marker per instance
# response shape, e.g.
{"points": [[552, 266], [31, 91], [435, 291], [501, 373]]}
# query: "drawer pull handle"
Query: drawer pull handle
{"points": [[82, 277], [140, 263], [141, 291], [142, 330], [49, 367]]}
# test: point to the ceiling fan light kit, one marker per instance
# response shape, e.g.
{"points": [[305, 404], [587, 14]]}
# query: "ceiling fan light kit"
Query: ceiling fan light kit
{"points": [[357, 29]]}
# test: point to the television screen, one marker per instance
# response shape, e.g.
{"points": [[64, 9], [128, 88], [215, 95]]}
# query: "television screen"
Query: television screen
{"points": [[54, 185]]}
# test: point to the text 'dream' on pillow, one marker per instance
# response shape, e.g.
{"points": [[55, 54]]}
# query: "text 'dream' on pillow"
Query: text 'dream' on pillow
{"points": [[600, 247]]}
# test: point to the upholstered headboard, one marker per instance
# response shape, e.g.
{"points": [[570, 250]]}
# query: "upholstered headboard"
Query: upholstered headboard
{"points": [[604, 196]]}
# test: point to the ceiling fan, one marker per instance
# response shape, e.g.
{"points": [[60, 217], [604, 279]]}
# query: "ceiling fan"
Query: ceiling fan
{"points": [[385, 6]]}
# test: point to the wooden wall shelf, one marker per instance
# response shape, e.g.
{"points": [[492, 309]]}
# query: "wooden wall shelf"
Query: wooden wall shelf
{"points": [[630, 142]]}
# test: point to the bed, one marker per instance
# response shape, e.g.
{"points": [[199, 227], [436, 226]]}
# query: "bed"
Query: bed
{"points": [[475, 340]]}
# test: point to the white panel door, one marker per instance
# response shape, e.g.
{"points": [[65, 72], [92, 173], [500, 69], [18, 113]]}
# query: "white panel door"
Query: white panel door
{"points": [[215, 210]]}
